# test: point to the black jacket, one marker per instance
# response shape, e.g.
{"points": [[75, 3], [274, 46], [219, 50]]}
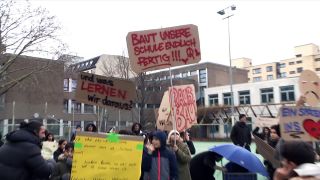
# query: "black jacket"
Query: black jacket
{"points": [[20, 157], [202, 165], [241, 134]]}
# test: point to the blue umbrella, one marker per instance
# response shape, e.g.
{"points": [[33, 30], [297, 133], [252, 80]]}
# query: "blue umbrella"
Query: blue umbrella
{"points": [[242, 157]]}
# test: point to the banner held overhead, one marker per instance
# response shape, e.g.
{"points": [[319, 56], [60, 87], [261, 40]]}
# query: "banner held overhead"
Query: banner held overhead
{"points": [[163, 48]]}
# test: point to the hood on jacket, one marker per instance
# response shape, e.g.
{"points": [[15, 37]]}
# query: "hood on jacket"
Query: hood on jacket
{"points": [[162, 137], [23, 135]]}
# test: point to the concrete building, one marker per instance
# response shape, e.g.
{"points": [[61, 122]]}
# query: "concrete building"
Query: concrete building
{"points": [[306, 57], [253, 99]]}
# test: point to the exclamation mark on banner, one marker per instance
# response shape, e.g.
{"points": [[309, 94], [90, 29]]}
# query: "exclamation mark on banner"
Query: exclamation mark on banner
{"points": [[172, 55]]}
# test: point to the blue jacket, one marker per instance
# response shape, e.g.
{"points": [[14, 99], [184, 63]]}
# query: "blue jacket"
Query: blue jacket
{"points": [[161, 160]]}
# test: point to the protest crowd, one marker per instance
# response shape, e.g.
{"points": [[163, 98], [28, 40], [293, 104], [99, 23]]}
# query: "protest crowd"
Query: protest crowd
{"points": [[31, 152]]}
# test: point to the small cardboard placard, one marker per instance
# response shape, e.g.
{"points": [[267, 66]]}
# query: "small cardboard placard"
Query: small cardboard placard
{"points": [[300, 123], [265, 122], [105, 91], [163, 48], [105, 156], [309, 84]]}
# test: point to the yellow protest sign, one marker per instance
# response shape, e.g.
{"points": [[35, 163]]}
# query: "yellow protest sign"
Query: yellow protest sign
{"points": [[106, 156]]}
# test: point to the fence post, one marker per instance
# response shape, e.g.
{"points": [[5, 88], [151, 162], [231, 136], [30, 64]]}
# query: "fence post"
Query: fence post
{"points": [[61, 128], [5, 126]]}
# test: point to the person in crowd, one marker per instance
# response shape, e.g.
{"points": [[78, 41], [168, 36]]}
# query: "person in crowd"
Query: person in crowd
{"points": [[1, 142], [295, 154], [63, 167], [264, 135], [186, 138], [273, 140], [73, 136], [202, 165], [91, 128], [20, 157], [158, 162], [241, 134], [49, 146], [136, 129], [61, 145], [183, 155]]}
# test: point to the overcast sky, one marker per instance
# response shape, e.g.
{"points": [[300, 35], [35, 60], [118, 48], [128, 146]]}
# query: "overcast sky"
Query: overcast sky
{"points": [[265, 31]]}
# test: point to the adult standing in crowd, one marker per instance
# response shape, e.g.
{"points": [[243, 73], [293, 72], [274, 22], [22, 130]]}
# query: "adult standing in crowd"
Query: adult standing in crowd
{"points": [[202, 165], [91, 128], [175, 143], [158, 162], [136, 129], [186, 138], [20, 156], [295, 155], [241, 134]]}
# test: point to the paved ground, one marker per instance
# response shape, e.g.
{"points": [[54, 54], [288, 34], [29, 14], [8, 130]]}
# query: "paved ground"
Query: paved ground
{"points": [[203, 146]]}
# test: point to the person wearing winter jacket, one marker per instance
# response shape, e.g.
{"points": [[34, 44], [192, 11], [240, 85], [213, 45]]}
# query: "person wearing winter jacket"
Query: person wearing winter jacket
{"points": [[240, 133], [20, 156], [183, 155], [158, 162]]}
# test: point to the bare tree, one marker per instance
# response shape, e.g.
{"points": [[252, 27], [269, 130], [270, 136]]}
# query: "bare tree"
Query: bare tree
{"points": [[24, 31]]}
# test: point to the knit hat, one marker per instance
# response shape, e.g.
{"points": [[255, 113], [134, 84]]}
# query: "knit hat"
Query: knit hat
{"points": [[171, 133]]}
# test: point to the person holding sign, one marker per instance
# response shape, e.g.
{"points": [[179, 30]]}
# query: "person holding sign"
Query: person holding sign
{"points": [[158, 162], [182, 153]]}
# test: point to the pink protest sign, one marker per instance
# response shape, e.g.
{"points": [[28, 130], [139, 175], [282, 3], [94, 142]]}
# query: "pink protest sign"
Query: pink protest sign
{"points": [[163, 48], [185, 106]]}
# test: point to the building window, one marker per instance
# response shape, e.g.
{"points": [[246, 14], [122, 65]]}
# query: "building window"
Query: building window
{"points": [[269, 77], [149, 106], [317, 59], [299, 69], [267, 95], [88, 108], [287, 93], [291, 63], [177, 76], [282, 65], [269, 68], [256, 79], [299, 62], [66, 84], [2, 102], [65, 105], [202, 90], [76, 106], [74, 85], [244, 97], [317, 69], [256, 71], [192, 73], [298, 55], [213, 99], [185, 74], [282, 75], [202, 75], [292, 72], [227, 98], [149, 88]]}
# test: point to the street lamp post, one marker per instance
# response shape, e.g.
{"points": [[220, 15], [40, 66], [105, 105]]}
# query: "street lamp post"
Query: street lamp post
{"points": [[222, 12]]}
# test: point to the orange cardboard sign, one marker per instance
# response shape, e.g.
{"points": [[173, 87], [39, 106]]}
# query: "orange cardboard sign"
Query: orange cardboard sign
{"points": [[309, 87], [163, 120], [162, 48], [105, 91]]}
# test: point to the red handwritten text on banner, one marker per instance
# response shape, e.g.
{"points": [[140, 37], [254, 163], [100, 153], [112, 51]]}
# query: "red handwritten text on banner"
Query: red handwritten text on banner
{"points": [[185, 106]]}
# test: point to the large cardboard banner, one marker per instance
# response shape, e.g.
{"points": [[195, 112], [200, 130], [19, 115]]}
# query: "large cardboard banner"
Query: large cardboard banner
{"points": [[265, 122], [105, 91], [164, 111], [309, 87], [185, 106], [300, 123], [111, 156], [162, 48]]}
